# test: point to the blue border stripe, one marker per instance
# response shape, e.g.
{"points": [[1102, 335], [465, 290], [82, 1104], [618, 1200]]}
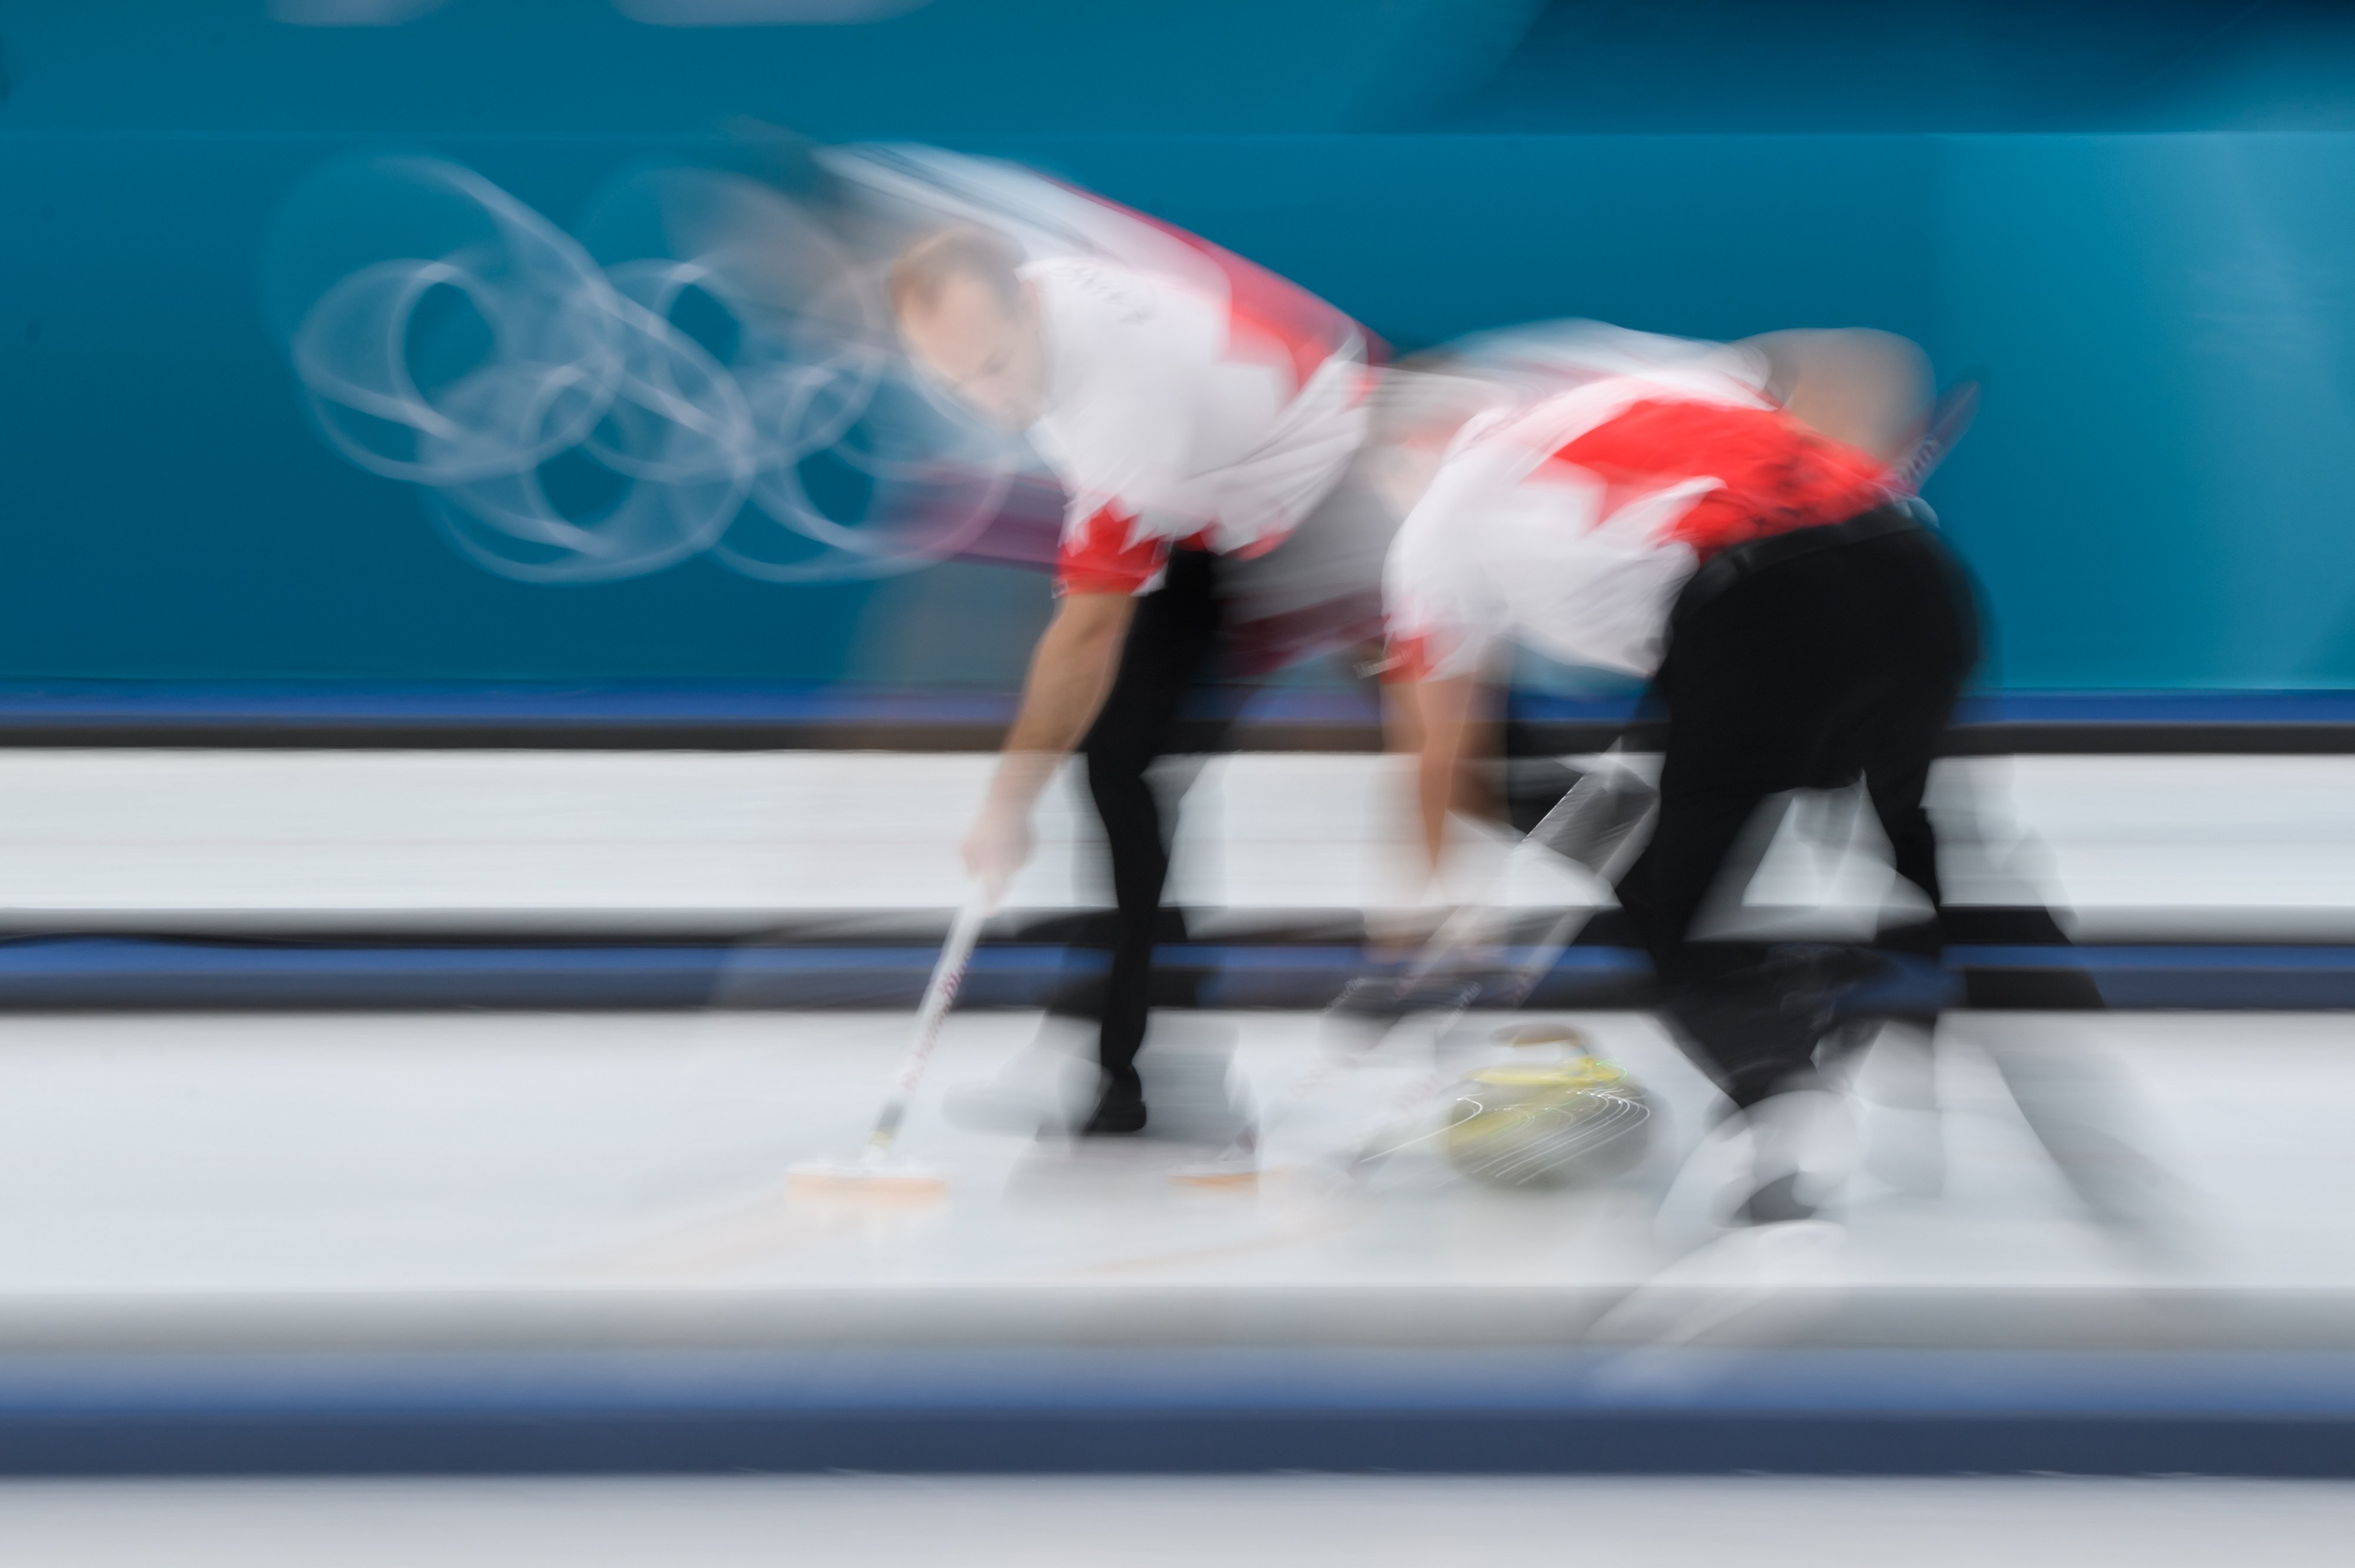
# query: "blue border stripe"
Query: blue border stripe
{"points": [[1299, 1379], [2215, 979], [102, 971], [1113, 1411], [99, 703]]}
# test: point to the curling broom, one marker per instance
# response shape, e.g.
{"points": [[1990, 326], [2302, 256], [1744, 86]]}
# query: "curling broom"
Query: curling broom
{"points": [[874, 1170]]}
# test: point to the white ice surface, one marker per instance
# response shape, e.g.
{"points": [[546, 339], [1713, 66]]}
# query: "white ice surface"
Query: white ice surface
{"points": [[164, 1157], [2136, 846], [1272, 1522]]}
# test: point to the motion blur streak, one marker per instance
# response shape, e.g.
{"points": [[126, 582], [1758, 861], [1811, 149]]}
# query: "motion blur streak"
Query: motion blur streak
{"points": [[978, 749]]}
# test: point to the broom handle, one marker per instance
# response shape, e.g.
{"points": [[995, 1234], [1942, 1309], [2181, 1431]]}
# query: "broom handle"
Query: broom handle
{"points": [[948, 974]]}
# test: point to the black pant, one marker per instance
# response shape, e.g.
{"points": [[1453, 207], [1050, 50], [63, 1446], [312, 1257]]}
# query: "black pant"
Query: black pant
{"points": [[1173, 646], [1804, 661]]}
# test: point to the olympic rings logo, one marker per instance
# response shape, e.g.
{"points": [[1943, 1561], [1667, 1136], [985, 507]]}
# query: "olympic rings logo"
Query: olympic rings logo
{"points": [[568, 426]]}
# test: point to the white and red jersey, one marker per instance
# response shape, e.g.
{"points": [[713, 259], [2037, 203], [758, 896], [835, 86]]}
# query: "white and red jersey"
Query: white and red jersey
{"points": [[1214, 415], [1191, 396], [1570, 523]]}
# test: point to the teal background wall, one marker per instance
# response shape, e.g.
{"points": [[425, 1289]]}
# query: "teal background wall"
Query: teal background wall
{"points": [[2147, 255]]}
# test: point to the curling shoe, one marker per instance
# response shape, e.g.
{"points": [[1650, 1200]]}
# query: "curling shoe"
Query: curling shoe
{"points": [[1120, 1110]]}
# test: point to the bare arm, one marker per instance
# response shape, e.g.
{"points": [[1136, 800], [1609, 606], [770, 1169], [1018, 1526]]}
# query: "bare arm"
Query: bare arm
{"points": [[1438, 721], [1070, 672]]}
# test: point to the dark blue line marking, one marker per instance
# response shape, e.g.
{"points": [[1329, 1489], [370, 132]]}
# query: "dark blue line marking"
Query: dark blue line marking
{"points": [[97, 971], [230, 703], [1303, 1380]]}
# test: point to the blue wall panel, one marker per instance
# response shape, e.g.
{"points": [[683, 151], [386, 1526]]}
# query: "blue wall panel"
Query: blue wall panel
{"points": [[2165, 323]]}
